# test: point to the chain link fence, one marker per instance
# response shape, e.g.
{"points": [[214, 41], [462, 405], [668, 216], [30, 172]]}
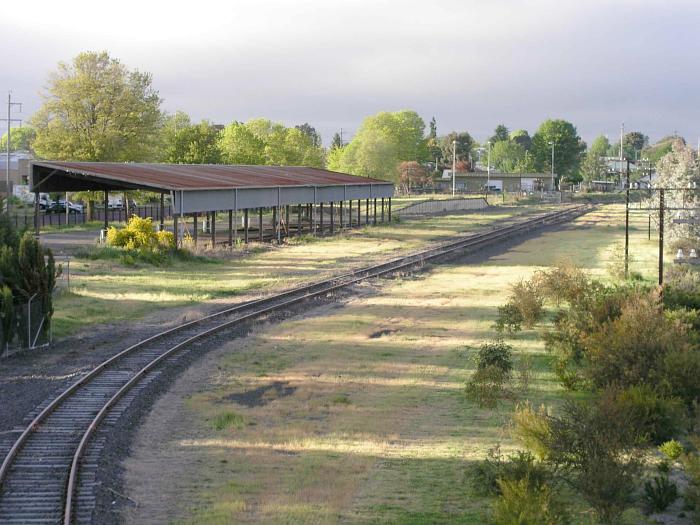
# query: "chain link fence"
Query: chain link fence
{"points": [[25, 326]]}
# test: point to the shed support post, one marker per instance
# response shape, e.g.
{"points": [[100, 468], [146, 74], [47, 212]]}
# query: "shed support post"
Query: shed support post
{"points": [[275, 226], [106, 204], [332, 218], [230, 228], [286, 221], [359, 212], [389, 209], [213, 229], [299, 220], [175, 230], [260, 225], [245, 225], [350, 213], [162, 211], [382, 209], [195, 229], [367, 211], [320, 220], [375, 212], [342, 219], [36, 214]]}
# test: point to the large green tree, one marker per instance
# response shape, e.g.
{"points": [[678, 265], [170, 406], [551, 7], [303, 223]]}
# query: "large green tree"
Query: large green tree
{"points": [[568, 148], [239, 145], [383, 141], [500, 134], [594, 166], [507, 156], [96, 109], [522, 137], [194, 144], [20, 139], [464, 146]]}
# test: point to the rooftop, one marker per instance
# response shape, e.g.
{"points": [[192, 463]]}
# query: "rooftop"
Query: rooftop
{"points": [[177, 177]]}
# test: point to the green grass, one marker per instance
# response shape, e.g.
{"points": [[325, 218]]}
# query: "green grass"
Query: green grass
{"points": [[105, 290], [227, 420], [398, 453]]}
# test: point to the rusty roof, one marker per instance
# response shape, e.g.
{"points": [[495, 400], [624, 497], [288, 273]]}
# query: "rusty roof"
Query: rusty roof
{"points": [[206, 176]]}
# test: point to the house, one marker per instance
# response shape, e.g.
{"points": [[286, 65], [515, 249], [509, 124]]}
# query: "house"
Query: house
{"points": [[19, 167]]}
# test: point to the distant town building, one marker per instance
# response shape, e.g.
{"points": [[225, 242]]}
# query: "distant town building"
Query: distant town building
{"points": [[477, 181], [19, 167]]}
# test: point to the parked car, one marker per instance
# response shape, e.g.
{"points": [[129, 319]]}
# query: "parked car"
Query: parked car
{"points": [[60, 207]]}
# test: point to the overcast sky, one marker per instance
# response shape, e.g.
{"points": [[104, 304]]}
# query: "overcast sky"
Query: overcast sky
{"points": [[471, 63]]}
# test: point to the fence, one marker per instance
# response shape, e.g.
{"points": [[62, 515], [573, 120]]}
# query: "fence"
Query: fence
{"points": [[60, 219], [28, 327], [444, 205]]}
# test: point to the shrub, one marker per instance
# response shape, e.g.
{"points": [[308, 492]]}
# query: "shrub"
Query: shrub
{"points": [[525, 372], [484, 475], [138, 234], [680, 373], [656, 418], [227, 420], [509, 319], [487, 386], [593, 447], [494, 364], [531, 428], [166, 239], [628, 350], [659, 493], [671, 449], [497, 354], [526, 297], [522, 503]]}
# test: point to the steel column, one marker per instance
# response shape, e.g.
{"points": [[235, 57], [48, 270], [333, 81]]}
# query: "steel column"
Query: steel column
{"points": [[366, 211], [332, 219], [230, 227], [350, 213], [389, 209], [382, 209], [299, 220], [195, 228], [245, 225], [162, 211], [320, 220], [213, 229], [341, 215], [260, 225], [375, 212], [359, 212], [106, 203]]}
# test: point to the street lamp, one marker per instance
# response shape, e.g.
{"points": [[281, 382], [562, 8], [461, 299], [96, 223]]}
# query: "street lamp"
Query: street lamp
{"points": [[551, 143], [454, 164]]}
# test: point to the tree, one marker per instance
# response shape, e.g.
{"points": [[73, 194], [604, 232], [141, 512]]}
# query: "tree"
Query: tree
{"points": [[412, 174], [21, 139], [521, 137], [506, 156], [465, 143], [634, 143], [500, 134], [433, 143], [239, 145], [337, 141], [654, 152], [96, 109], [594, 166], [382, 142], [309, 130], [194, 144], [568, 148], [677, 169]]}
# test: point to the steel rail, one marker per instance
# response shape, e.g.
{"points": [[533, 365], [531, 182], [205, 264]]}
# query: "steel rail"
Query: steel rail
{"points": [[304, 291]]}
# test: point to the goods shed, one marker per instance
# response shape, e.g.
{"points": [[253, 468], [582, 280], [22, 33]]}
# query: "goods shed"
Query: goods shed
{"points": [[205, 190]]}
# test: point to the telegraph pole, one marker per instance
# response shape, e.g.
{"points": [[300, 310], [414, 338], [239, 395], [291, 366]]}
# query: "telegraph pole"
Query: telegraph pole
{"points": [[9, 121], [454, 165]]}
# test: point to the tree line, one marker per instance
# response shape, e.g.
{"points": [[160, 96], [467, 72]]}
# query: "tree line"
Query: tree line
{"points": [[96, 109]]}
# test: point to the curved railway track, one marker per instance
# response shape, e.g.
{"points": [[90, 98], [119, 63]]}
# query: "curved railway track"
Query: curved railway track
{"points": [[49, 474]]}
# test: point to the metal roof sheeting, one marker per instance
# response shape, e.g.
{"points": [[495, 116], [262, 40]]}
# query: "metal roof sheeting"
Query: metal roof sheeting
{"points": [[183, 177]]}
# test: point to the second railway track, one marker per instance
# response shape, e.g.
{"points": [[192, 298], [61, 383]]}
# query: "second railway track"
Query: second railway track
{"points": [[49, 474]]}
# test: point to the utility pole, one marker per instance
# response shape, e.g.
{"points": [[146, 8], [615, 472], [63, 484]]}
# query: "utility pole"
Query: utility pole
{"points": [[627, 222], [454, 164], [9, 121], [552, 144], [661, 237], [622, 139]]}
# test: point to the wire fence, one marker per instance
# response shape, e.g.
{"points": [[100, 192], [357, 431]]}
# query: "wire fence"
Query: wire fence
{"points": [[26, 220], [25, 326]]}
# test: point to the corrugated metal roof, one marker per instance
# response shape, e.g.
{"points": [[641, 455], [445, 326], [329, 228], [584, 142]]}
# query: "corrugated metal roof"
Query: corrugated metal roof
{"points": [[207, 176]]}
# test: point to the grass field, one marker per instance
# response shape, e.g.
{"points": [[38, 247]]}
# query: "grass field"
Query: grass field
{"points": [[357, 415], [107, 291]]}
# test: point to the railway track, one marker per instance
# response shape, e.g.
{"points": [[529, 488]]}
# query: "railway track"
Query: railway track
{"points": [[49, 474]]}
